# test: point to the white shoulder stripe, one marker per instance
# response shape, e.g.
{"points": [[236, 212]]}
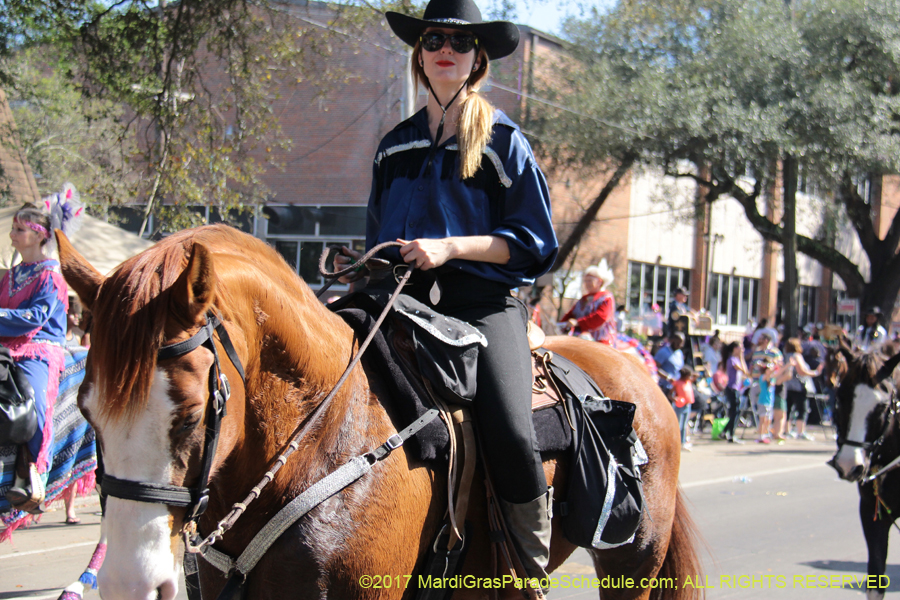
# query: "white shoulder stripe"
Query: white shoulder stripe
{"points": [[495, 160], [498, 164], [488, 151], [401, 148]]}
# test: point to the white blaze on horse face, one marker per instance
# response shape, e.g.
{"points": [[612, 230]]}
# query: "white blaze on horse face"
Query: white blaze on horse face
{"points": [[865, 399], [139, 562]]}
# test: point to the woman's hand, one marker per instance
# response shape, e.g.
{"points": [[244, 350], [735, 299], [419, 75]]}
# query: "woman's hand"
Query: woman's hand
{"points": [[426, 253]]}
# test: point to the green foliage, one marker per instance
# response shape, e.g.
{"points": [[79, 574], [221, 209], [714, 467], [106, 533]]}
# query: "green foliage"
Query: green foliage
{"points": [[720, 91], [190, 84], [66, 137]]}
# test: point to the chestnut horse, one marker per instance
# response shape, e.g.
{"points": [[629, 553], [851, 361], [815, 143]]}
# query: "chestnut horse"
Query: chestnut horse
{"points": [[150, 416]]}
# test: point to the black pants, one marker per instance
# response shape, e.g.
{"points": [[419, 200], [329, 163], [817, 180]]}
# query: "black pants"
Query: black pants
{"points": [[797, 399], [503, 397], [734, 404]]}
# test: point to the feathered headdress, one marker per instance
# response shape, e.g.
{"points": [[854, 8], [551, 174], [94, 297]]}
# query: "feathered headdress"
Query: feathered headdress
{"points": [[66, 210]]}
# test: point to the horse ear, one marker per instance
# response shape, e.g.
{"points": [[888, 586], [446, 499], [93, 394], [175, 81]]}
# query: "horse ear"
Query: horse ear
{"points": [[887, 369], [845, 349], [77, 271], [194, 290]]}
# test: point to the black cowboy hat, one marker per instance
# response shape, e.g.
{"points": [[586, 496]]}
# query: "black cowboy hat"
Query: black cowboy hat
{"points": [[498, 38]]}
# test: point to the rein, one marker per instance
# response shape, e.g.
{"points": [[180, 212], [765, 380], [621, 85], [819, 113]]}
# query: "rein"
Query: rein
{"points": [[334, 482], [194, 499]]}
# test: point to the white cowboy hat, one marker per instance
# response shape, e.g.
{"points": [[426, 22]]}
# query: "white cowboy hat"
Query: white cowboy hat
{"points": [[601, 271]]}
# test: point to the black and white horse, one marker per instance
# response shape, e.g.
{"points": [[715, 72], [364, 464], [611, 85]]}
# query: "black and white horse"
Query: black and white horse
{"points": [[867, 417]]}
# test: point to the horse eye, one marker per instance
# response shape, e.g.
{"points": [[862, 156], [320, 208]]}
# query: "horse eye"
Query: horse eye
{"points": [[190, 422]]}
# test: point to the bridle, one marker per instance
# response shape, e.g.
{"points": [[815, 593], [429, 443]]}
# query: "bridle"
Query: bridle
{"points": [[873, 448], [193, 499], [196, 499]]}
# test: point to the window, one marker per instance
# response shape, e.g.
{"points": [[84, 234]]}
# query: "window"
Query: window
{"points": [[302, 232], [848, 321], [634, 284], [652, 283], [806, 308], [131, 216], [733, 299], [316, 220], [128, 218]]}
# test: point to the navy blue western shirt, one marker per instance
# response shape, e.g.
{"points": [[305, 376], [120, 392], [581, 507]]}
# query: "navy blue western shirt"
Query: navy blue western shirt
{"points": [[507, 197]]}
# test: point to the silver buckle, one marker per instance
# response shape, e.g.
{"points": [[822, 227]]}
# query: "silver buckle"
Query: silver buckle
{"points": [[224, 386], [394, 442], [400, 271]]}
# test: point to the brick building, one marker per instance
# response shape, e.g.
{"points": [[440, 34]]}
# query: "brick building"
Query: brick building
{"points": [[319, 197]]}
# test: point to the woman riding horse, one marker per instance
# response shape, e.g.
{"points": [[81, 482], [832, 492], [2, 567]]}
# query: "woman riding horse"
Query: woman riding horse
{"points": [[457, 184], [34, 301], [151, 410]]}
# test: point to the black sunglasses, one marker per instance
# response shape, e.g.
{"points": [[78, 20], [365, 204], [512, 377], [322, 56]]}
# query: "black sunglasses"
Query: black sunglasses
{"points": [[460, 42]]}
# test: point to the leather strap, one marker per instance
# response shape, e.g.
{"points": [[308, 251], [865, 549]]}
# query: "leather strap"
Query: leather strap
{"points": [[462, 417]]}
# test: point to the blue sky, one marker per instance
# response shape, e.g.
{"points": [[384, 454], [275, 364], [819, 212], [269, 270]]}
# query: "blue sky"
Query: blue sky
{"points": [[544, 16], [547, 15]]}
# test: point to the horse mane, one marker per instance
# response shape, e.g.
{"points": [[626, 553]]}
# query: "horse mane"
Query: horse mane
{"points": [[863, 368], [133, 304]]}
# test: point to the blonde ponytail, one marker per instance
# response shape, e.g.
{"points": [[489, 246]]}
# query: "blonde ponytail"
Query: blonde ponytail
{"points": [[476, 120], [476, 116]]}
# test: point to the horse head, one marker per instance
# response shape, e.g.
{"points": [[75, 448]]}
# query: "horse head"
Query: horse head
{"points": [[865, 399], [149, 414], [180, 333]]}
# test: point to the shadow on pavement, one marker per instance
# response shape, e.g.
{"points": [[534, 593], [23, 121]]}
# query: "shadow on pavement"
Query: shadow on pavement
{"points": [[847, 566]]}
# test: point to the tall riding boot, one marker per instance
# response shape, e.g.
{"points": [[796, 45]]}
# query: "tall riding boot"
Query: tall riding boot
{"points": [[529, 527], [27, 492]]}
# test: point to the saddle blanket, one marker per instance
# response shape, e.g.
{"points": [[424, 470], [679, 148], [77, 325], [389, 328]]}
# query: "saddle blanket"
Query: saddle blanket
{"points": [[73, 452]]}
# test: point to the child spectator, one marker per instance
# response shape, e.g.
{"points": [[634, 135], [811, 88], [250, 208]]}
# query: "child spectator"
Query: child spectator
{"points": [[765, 400], [683, 390]]}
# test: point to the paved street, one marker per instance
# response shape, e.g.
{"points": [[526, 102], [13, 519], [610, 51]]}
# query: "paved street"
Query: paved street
{"points": [[789, 517]]}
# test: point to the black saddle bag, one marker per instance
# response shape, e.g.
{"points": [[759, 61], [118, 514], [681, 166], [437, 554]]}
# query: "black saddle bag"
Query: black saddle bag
{"points": [[18, 419], [605, 500], [445, 349]]}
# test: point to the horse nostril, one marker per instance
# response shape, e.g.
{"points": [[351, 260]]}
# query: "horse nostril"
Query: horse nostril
{"points": [[855, 473], [166, 591]]}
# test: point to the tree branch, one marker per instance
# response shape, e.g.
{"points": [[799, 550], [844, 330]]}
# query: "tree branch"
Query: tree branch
{"points": [[770, 231], [860, 215], [590, 214]]}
